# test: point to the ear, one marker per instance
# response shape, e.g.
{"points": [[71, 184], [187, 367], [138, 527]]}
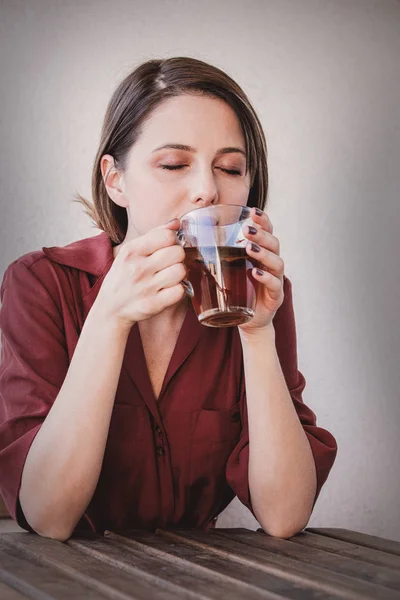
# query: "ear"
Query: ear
{"points": [[113, 180]]}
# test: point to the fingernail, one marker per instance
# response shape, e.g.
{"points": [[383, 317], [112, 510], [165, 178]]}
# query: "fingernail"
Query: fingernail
{"points": [[170, 221], [255, 247], [259, 212], [259, 272], [252, 230]]}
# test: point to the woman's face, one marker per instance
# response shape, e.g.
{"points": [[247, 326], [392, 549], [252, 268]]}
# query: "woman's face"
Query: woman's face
{"points": [[190, 154]]}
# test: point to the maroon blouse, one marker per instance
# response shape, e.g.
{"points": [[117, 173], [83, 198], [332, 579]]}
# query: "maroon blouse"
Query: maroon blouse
{"points": [[175, 462]]}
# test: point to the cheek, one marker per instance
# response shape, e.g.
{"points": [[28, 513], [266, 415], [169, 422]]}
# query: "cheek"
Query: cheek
{"points": [[151, 202], [154, 185], [142, 192], [235, 192]]}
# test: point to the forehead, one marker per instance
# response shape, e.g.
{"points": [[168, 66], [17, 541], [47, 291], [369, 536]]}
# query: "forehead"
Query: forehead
{"points": [[191, 120]]}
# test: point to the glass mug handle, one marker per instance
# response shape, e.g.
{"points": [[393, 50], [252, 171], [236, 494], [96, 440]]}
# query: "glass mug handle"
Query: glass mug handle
{"points": [[187, 286]]}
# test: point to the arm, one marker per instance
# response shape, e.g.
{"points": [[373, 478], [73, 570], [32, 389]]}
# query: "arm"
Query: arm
{"points": [[54, 416], [67, 452], [288, 457], [256, 481], [282, 473]]}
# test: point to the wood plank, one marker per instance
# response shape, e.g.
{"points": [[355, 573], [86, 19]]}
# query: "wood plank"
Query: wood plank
{"points": [[193, 576], [347, 549], [346, 566], [223, 564], [101, 581], [278, 574], [361, 539], [313, 580], [38, 581], [7, 593]]}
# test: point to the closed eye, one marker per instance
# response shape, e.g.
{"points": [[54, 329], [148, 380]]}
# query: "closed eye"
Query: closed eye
{"points": [[230, 171], [172, 167], [177, 167]]}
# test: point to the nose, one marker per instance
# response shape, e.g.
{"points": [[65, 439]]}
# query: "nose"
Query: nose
{"points": [[204, 190]]}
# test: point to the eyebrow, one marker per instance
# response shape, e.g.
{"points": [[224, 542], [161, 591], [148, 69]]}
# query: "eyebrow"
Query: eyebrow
{"points": [[227, 150]]}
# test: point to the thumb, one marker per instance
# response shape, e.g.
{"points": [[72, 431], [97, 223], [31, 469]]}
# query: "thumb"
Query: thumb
{"points": [[173, 224]]}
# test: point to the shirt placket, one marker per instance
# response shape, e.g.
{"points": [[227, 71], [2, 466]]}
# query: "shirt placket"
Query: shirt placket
{"points": [[135, 365], [163, 456]]}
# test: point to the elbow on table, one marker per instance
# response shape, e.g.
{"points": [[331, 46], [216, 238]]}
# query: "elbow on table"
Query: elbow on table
{"points": [[45, 524], [281, 523], [42, 519], [54, 533], [47, 529], [283, 533], [283, 530]]}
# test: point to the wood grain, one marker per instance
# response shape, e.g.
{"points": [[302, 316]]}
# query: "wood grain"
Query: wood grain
{"points": [[105, 581], [361, 539], [308, 577], [312, 557], [222, 564], [7, 593], [348, 550]]}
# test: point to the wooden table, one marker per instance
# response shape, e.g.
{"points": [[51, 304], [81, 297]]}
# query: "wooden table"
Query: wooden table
{"points": [[222, 564]]}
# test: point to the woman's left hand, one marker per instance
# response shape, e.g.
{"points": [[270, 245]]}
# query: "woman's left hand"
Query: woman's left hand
{"points": [[265, 248]]}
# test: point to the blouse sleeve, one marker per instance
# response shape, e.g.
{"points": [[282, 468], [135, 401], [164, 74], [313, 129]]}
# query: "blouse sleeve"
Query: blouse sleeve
{"points": [[34, 363], [323, 444]]}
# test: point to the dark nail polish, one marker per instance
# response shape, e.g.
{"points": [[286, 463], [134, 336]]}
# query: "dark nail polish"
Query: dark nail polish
{"points": [[255, 247], [252, 230], [260, 272], [259, 212]]}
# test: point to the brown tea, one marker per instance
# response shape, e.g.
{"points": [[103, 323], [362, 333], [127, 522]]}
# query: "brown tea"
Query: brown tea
{"points": [[224, 288]]}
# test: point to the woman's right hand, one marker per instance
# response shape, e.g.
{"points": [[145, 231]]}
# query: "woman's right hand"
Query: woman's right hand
{"points": [[145, 277]]}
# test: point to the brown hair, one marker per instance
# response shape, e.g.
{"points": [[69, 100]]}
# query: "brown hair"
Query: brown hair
{"points": [[133, 101]]}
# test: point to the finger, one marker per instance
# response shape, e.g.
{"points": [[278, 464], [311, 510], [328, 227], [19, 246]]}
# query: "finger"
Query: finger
{"points": [[271, 261], [173, 224], [171, 295], [272, 283], [165, 257], [263, 238], [147, 244], [169, 277], [261, 218]]}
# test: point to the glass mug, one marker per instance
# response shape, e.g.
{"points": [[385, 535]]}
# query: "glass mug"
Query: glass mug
{"points": [[219, 278]]}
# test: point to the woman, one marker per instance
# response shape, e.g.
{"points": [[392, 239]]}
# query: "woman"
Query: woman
{"points": [[118, 409]]}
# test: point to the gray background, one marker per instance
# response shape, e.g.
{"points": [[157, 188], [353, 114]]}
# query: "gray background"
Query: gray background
{"points": [[324, 77]]}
